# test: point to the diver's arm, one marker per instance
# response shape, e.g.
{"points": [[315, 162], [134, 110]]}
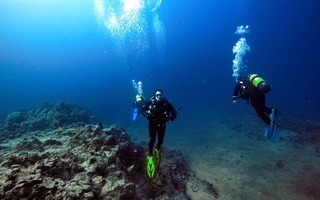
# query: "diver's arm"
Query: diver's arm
{"points": [[236, 91], [145, 107], [172, 110]]}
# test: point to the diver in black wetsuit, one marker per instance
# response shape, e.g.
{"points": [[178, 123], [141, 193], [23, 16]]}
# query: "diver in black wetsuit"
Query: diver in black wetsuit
{"points": [[253, 88], [159, 111]]}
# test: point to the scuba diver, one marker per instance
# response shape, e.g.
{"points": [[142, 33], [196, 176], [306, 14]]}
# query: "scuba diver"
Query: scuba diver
{"points": [[253, 88], [137, 106], [139, 100], [248, 90], [159, 111]]}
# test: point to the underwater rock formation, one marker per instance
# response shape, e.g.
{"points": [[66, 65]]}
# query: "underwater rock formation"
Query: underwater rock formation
{"points": [[90, 161], [44, 117]]}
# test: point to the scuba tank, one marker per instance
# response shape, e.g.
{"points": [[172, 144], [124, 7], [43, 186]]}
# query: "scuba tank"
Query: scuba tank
{"points": [[259, 83]]}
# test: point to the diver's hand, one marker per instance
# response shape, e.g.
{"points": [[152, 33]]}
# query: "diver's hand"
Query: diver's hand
{"points": [[234, 99], [173, 117], [146, 113]]}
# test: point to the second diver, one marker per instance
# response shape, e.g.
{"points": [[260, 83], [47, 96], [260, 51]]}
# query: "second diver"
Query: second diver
{"points": [[253, 88]]}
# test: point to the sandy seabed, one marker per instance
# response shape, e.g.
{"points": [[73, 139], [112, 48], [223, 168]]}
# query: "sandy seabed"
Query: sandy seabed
{"points": [[231, 153]]}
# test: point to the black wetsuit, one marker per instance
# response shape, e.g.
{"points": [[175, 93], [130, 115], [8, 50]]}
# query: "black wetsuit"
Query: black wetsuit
{"points": [[158, 113], [246, 90]]}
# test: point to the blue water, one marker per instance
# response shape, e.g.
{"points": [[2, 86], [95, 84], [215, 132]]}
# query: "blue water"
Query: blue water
{"points": [[62, 51]]}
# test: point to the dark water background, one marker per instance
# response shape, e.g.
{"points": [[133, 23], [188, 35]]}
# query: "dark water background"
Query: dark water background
{"points": [[57, 51]]}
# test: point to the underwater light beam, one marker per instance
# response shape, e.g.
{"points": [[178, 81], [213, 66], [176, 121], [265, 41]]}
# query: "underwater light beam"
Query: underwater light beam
{"points": [[125, 22], [132, 5]]}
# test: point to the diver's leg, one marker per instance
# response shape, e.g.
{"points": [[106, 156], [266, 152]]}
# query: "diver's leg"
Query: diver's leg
{"points": [[263, 116], [258, 102], [161, 133], [152, 135], [261, 100]]}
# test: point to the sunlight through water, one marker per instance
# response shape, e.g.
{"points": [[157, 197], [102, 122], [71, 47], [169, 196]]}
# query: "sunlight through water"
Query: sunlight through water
{"points": [[125, 22]]}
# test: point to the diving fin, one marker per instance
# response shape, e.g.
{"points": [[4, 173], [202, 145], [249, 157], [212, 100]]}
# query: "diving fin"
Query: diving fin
{"points": [[134, 114], [157, 157], [153, 163], [272, 132], [150, 167]]}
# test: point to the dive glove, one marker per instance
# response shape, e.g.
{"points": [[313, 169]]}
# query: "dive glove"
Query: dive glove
{"points": [[173, 117]]}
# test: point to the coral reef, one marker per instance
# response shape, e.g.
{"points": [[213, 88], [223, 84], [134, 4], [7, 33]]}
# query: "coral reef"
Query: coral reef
{"points": [[87, 161]]}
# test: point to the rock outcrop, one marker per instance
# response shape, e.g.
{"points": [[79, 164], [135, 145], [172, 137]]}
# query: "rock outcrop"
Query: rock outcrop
{"points": [[90, 161], [44, 117]]}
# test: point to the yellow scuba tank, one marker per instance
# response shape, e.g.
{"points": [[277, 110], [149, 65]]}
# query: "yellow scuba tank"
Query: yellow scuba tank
{"points": [[138, 97], [259, 83]]}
